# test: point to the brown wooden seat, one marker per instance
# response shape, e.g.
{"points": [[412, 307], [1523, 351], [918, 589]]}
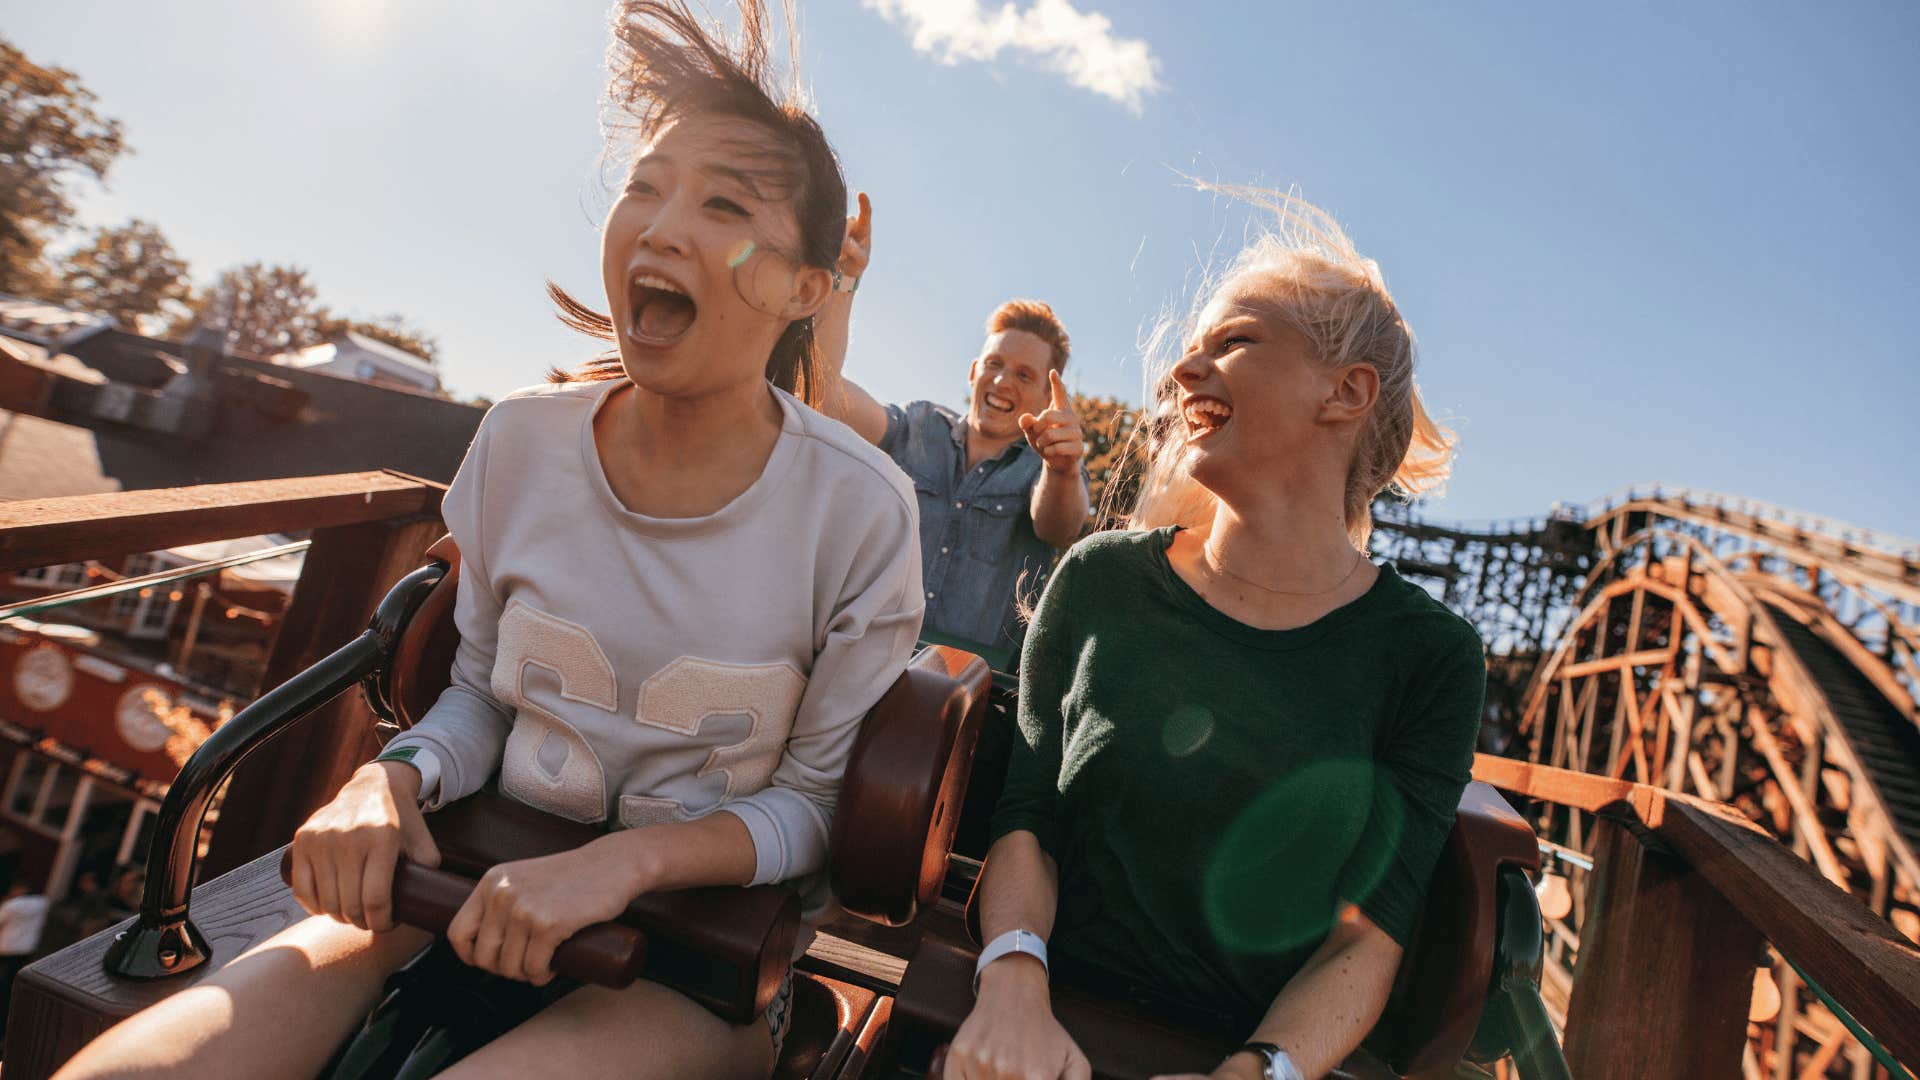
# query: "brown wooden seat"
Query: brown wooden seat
{"points": [[1428, 1025], [898, 808]]}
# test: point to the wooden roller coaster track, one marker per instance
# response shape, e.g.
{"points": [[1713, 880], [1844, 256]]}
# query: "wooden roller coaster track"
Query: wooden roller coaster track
{"points": [[1717, 647]]}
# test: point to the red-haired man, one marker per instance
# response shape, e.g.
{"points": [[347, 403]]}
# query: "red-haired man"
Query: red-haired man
{"points": [[1002, 487]]}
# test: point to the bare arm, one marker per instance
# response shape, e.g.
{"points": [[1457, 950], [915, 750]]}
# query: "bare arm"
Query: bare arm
{"points": [[1020, 890], [711, 850], [1011, 1031], [1324, 1011], [521, 911], [842, 399], [1059, 505]]}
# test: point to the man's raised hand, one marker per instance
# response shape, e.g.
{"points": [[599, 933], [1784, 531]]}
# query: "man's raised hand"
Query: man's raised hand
{"points": [[1054, 434], [857, 249]]}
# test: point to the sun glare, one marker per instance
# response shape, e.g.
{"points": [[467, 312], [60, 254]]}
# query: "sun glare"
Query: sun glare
{"points": [[353, 20]]}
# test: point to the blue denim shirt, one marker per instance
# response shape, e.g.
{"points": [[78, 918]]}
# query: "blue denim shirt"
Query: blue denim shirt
{"points": [[977, 544]]}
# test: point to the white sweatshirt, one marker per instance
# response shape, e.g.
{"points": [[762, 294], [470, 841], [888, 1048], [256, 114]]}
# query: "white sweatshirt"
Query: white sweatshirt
{"points": [[635, 670]]}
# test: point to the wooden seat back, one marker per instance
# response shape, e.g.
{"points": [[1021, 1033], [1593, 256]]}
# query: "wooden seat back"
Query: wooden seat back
{"points": [[1447, 971], [905, 783], [423, 656]]}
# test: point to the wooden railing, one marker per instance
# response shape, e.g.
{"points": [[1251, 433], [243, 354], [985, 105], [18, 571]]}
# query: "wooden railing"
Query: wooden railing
{"points": [[1683, 893], [368, 529]]}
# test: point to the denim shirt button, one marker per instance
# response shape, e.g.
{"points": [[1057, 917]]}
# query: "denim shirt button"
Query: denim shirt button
{"points": [[958, 506]]}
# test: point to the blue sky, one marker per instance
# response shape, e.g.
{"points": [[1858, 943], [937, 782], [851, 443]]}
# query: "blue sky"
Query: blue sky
{"points": [[1638, 242]]}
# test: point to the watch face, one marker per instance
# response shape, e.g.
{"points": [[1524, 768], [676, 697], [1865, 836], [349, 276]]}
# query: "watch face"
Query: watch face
{"points": [[140, 717], [43, 679]]}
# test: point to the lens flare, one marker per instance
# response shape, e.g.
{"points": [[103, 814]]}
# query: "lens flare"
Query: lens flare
{"points": [[1187, 730], [1324, 833], [741, 253]]}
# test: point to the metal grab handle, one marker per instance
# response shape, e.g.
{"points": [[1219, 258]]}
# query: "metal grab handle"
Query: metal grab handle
{"points": [[163, 941]]}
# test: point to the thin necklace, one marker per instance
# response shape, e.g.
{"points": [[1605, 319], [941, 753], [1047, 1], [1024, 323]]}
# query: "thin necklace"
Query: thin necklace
{"points": [[1207, 556]]}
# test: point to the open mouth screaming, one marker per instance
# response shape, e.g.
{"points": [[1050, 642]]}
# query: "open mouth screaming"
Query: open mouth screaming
{"points": [[1204, 416], [662, 312]]}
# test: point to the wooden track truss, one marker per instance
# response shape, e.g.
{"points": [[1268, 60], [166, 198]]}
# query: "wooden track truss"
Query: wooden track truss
{"points": [[1719, 647], [1744, 676]]}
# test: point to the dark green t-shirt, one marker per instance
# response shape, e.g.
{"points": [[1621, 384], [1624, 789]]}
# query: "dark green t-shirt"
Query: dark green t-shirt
{"points": [[1212, 792]]}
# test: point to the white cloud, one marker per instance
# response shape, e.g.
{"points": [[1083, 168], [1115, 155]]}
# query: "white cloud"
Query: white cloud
{"points": [[1078, 44]]}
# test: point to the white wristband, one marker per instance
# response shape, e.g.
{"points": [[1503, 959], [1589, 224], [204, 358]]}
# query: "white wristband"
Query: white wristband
{"points": [[1013, 941]]}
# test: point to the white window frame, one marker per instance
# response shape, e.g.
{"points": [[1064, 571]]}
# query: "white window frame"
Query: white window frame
{"points": [[41, 796], [127, 605], [149, 611], [143, 808], [154, 616], [61, 577]]}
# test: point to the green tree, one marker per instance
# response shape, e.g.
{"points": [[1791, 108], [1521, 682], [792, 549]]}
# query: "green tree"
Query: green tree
{"points": [[392, 328], [50, 139], [261, 309], [127, 272]]}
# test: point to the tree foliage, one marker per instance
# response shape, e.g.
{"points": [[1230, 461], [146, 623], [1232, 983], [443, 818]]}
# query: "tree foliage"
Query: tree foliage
{"points": [[126, 272], [267, 309], [1113, 459], [261, 309], [50, 138]]}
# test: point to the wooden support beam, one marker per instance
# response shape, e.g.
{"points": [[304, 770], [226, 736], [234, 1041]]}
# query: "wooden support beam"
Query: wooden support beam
{"points": [[348, 570], [1665, 969], [1640, 658], [47, 532], [1858, 958], [1806, 818]]}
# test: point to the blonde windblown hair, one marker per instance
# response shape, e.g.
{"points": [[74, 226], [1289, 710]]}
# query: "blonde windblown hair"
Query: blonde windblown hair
{"points": [[1337, 298]]}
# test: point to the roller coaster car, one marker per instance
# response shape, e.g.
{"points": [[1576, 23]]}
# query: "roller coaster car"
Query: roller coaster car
{"points": [[1468, 989]]}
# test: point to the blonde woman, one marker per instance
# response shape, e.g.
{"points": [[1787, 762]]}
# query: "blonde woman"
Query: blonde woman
{"points": [[1242, 741]]}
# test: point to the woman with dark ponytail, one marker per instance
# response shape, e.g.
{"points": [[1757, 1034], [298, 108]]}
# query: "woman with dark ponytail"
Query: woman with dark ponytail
{"points": [[681, 589]]}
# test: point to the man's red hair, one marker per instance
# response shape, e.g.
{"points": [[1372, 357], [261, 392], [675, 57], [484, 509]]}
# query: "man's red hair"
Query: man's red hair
{"points": [[1036, 318]]}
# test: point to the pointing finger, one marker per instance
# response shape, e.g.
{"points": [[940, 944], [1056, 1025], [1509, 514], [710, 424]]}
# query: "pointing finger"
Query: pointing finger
{"points": [[1059, 390]]}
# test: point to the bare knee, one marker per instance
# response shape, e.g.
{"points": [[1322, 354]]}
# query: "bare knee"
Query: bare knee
{"points": [[280, 1008]]}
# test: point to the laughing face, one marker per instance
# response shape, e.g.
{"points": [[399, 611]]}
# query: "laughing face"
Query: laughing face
{"points": [[1008, 380], [695, 258], [1249, 390]]}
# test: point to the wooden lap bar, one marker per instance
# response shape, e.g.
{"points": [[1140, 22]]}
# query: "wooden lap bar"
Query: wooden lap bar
{"points": [[726, 948]]}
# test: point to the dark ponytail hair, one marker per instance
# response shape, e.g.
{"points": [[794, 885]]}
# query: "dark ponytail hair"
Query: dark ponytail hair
{"points": [[666, 64]]}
